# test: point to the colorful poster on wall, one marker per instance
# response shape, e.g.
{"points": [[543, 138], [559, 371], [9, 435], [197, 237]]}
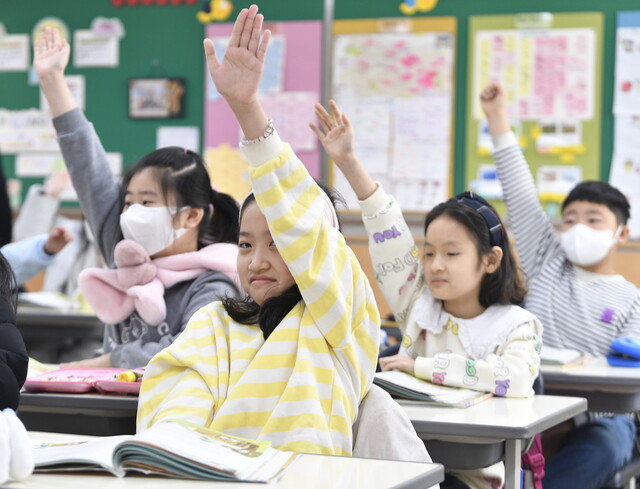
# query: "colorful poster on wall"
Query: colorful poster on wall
{"points": [[625, 163], [627, 73], [546, 73], [294, 67], [397, 89], [550, 66]]}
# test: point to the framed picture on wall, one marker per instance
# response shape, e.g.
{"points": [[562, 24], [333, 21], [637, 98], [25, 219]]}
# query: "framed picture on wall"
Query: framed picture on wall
{"points": [[156, 98]]}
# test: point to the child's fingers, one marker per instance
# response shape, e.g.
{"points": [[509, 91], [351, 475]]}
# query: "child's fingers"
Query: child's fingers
{"points": [[325, 122], [345, 121], [254, 40], [210, 54], [234, 40], [317, 131], [264, 44], [335, 109], [247, 29]]}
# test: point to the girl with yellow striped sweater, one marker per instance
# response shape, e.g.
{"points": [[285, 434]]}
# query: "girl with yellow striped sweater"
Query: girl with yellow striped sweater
{"points": [[292, 362]]}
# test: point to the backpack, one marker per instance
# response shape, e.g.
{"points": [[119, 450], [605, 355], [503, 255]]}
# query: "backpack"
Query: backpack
{"points": [[533, 465]]}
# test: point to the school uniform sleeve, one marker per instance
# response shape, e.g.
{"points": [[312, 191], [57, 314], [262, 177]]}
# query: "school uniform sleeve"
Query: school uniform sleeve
{"points": [[27, 257], [509, 372], [395, 256], [528, 222], [204, 290], [98, 190], [13, 359], [37, 213], [332, 283]]}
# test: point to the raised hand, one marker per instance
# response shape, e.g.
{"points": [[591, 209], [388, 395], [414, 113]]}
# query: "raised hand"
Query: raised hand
{"points": [[494, 105], [336, 134], [338, 139], [58, 238], [56, 183], [50, 53], [237, 77]]}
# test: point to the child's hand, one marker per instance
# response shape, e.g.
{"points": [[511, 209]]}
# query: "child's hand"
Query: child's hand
{"points": [[58, 238], [56, 183], [237, 78], [103, 361], [397, 362], [493, 100], [50, 54], [336, 134], [494, 106]]}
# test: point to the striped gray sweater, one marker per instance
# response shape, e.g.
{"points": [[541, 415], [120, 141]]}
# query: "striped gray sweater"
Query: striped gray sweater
{"points": [[578, 309]]}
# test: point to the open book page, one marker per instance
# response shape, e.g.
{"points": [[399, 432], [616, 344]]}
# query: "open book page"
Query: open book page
{"points": [[403, 385], [93, 454], [184, 449], [560, 356]]}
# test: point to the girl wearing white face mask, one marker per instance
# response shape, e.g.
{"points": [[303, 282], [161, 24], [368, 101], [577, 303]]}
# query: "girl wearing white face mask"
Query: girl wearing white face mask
{"points": [[179, 249]]}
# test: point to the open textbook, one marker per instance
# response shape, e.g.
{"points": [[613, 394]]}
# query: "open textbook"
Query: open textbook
{"points": [[561, 356], [405, 386], [172, 449]]}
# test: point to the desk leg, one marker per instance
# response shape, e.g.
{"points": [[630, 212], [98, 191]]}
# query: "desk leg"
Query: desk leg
{"points": [[512, 453]]}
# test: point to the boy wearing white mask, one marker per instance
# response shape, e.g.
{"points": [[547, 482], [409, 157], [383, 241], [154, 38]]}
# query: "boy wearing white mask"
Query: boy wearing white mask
{"points": [[573, 289]]}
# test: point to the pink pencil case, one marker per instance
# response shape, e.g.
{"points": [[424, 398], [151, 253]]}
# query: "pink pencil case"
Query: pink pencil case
{"points": [[80, 380]]}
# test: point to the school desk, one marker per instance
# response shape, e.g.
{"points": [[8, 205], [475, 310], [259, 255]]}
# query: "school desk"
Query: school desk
{"points": [[41, 322], [308, 472], [87, 414], [490, 431], [607, 389]]}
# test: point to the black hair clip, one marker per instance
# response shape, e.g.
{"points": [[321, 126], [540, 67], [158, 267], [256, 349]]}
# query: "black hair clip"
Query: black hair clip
{"points": [[479, 204]]}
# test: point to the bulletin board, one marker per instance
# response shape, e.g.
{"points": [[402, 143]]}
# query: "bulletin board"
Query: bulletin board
{"points": [[550, 65], [291, 85], [394, 78]]}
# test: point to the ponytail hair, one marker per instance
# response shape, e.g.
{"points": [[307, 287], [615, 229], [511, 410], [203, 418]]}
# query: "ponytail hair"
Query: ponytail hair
{"points": [[184, 180], [221, 225]]}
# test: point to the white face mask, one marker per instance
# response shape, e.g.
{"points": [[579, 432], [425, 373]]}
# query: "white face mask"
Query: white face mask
{"points": [[151, 227], [586, 246]]}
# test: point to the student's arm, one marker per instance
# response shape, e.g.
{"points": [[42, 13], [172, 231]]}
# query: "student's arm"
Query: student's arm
{"points": [[28, 257], [509, 372], [173, 387], [334, 288], [13, 359], [84, 156], [392, 248], [204, 290], [530, 225]]}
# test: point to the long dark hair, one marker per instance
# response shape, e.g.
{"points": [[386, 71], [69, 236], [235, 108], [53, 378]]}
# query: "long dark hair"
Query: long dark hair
{"points": [[183, 175], [8, 287], [505, 285], [274, 309]]}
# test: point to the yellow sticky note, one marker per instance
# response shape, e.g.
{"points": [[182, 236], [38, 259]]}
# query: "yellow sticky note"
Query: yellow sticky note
{"points": [[228, 171]]}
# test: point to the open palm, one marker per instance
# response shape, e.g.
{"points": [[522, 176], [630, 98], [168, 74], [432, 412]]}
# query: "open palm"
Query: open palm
{"points": [[336, 133], [50, 53], [237, 77]]}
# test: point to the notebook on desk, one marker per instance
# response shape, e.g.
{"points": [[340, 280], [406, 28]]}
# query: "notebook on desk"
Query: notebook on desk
{"points": [[404, 386], [79, 380]]}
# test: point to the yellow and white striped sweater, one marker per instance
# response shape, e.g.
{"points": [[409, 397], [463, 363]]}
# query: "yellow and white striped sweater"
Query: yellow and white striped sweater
{"points": [[301, 388]]}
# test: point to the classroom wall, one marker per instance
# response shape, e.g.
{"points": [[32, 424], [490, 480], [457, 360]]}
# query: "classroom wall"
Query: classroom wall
{"points": [[166, 41]]}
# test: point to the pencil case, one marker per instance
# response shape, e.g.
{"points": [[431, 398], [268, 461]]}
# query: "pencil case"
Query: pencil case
{"points": [[79, 380], [625, 352]]}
